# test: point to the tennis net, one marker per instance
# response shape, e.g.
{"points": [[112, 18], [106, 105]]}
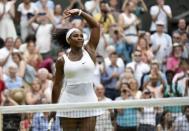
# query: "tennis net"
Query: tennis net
{"points": [[170, 114]]}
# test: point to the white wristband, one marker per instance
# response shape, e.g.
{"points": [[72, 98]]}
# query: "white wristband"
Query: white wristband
{"points": [[80, 11]]}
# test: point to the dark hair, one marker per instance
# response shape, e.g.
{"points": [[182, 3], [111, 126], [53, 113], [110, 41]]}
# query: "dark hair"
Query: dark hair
{"points": [[30, 38], [162, 120], [59, 36], [125, 83]]}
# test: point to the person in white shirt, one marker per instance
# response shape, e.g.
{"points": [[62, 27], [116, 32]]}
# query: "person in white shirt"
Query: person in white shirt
{"points": [[161, 43], [138, 66], [103, 122], [182, 122], [27, 10], [160, 12], [43, 28], [6, 54]]}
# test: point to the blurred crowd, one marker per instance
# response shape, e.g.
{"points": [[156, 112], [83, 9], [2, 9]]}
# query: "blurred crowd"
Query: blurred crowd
{"points": [[131, 63]]}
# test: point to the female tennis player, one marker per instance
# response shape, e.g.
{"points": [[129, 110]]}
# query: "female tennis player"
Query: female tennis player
{"points": [[74, 74]]}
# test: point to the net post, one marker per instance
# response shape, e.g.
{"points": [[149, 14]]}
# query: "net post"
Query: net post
{"points": [[1, 122]]}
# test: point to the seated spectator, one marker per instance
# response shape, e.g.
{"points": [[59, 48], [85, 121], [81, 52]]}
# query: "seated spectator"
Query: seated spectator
{"points": [[157, 89], [166, 122], [185, 45], [40, 122], [17, 43], [181, 123], [138, 66], [134, 89], [2, 84], [181, 26], [25, 124], [103, 122], [148, 114], [173, 61], [147, 54], [12, 80], [46, 84], [180, 79], [36, 94], [31, 55], [126, 119], [110, 77], [176, 37]]}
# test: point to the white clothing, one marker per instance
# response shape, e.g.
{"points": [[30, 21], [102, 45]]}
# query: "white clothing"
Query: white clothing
{"points": [[103, 122], [43, 37], [165, 43], [181, 124], [139, 69], [92, 6], [119, 63], [4, 52], [78, 86], [148, 116], [48, 91], [25, 30], [154, 10], [7, 28], [131, 31]]}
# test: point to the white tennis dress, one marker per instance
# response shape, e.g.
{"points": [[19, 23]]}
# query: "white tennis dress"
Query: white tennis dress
{"points": [[78, 86]]}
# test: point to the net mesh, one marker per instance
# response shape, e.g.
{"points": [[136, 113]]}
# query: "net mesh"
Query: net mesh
{"points": [[168, 114]]}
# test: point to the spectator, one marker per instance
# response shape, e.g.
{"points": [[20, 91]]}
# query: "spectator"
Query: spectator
{"points": [[105, 18], [32, 55], [26, 11], [160, 12], [43, 29], [138, 66], [143, 45], [58, 15], [135, 93], [129, 22], [92, 6], [179, 79], [5, 54], [2, 84], [176, 37], [181, 26], [25, 124], [181, 123], [43, 5], [126, 119], [161, 44], [46, 84], [110, 77], [40, 122], [148, 114], [166, 122], [12, 80], [73, 4], [17, 43], [185, 45], [35, 95], [103, 122], [173, 61], [7, 15]]}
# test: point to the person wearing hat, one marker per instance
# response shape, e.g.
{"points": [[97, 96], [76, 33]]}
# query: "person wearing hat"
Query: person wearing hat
{"points": [[160, 12], [73, 81], [173, 61], [161, 43]]}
